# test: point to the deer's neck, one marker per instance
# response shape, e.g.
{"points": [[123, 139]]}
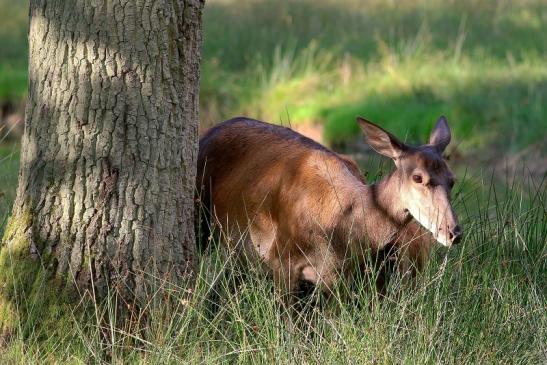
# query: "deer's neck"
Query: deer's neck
{"points": [[383, 212]]}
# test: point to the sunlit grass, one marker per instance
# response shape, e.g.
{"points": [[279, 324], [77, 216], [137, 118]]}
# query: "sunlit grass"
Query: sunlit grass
{"points": [[9, 167], [399, 65], [480, 302], [13, 50], [482, 64]]}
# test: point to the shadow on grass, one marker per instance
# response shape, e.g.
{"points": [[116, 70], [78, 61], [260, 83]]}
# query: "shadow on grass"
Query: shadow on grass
{"points": [[237, 33], [488, 117]]}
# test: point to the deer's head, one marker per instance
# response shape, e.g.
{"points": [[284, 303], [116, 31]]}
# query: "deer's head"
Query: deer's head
{"points": [[424, 176]]}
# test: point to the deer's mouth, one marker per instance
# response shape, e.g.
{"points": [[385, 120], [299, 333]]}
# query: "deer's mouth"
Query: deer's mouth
{"points": [[431, 225], [442, 239]]}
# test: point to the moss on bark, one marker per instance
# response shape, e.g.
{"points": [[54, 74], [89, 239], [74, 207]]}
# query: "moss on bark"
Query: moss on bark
{"points": [[32, 298]]}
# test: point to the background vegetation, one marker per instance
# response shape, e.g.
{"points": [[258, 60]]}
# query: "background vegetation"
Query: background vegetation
{"points": [[316, 65]]}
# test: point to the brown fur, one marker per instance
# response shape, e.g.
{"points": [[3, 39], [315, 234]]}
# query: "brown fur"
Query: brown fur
{"points": [[301, 209]]}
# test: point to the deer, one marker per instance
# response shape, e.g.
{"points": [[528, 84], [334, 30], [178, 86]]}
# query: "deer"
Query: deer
{"points": [[305, 213]]}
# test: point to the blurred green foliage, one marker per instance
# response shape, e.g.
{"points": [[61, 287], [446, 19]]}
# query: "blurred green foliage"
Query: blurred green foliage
{"points": [[13, 50], [401, 64], [398, 63]]}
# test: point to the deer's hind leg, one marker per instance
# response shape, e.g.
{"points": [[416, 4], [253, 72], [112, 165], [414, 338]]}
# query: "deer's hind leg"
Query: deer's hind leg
{"points": [[265, 245]]}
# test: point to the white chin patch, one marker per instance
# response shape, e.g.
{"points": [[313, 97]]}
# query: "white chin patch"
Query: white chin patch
{"points": [[443, 241], [430, 226]]}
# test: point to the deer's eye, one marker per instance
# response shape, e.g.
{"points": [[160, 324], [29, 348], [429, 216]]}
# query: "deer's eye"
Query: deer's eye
{"points": [[451, 183], [417, 179]]}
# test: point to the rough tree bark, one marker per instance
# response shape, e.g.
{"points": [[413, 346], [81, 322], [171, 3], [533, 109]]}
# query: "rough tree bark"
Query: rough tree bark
{"points": [[106, 182]]}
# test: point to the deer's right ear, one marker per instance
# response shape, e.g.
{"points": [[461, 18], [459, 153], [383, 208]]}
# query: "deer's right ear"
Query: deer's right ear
{"points": [[381, 140]]}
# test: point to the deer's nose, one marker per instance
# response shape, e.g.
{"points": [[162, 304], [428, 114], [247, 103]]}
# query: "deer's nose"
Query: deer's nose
{"points": [[455, 234]]}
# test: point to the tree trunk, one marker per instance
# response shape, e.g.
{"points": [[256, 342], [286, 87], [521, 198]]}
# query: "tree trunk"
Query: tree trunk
{"points": [[107, 174]]}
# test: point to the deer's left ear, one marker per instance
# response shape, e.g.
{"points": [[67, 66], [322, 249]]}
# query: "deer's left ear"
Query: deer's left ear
{"points": [[381, 140], [440, 135]]}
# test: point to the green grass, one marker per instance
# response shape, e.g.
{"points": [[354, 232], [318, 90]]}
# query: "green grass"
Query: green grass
{"points": [[13, 52], [482, 64], [487, 107], [9, 167], [13, 82], [483, 301]]}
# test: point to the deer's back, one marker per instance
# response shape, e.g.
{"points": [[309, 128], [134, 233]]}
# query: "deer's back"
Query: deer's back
{"points": [[247, 166]]}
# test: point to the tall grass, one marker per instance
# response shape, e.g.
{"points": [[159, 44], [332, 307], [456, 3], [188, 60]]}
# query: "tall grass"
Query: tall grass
{"points": [[9, 167], [483, 301]]}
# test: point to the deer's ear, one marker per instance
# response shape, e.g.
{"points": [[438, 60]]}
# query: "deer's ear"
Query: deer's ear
{"points": [[440, 135], [381, 140]]}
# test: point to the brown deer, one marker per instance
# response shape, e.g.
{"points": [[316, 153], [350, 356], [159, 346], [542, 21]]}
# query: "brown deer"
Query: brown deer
{"points": [[306, 213]]}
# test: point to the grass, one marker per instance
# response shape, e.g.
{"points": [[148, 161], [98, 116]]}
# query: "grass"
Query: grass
{"points": [[482, 64], [480, 302], [13, 53], [9, 167]]}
